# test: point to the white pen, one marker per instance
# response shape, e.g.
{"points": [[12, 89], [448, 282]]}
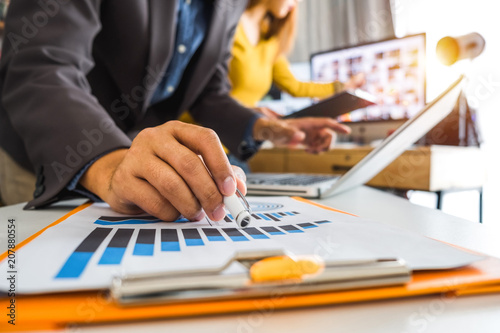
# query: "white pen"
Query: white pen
{"points": [[236, 206]]}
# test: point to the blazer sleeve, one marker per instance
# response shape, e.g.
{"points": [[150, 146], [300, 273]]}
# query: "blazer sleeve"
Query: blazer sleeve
{"points": [[286, 81], [214, 108], [47, 53]]}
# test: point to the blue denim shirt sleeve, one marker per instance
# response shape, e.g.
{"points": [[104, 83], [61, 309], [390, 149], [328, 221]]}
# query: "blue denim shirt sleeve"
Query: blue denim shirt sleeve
{"points": [[73, 185]]}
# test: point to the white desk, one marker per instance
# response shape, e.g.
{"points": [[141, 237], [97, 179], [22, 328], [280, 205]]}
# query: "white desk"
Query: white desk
{"points": [[421, 314]]}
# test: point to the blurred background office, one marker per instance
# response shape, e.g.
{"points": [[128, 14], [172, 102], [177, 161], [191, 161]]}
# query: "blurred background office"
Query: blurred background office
{"points": [[326, 25], [333, 24]]}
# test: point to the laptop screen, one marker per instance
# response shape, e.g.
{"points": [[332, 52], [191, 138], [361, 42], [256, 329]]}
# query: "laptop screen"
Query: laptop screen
{"points": [[394, 71]]}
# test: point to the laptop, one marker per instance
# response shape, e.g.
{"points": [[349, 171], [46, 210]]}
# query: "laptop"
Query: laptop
{"points": [[316, 186]]}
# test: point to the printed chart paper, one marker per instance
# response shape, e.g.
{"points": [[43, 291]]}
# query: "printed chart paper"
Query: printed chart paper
{"points": [[92, 246]]}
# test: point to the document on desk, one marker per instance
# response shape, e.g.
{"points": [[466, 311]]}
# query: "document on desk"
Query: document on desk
{"points": [[89, 248]]}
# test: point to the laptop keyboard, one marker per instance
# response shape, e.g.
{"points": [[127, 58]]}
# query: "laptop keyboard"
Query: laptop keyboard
{"points": [[291, 180]]}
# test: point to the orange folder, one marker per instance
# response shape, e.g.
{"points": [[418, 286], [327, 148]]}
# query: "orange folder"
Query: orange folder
{"points": [[59, 310]]}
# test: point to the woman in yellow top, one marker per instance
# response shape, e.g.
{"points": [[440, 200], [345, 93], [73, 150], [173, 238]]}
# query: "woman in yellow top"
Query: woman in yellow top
{"points": [[263, 37]]}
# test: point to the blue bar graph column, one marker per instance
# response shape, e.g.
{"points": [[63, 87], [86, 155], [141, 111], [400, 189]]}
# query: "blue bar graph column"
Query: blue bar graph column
{"points": [[169, 240], [145, 244], [291, 229], [116, 248], [307, 225], [255, 233], [213, 235], [78, 260], [192, 237], [235, 235], [322, 222], [272, 231]]}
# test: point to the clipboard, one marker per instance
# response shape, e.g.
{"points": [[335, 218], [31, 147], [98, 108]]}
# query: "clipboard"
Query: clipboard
{"points": [[59, 310]]}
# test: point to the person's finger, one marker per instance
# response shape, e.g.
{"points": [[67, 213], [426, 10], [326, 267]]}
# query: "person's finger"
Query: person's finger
{"points": [[205, 142], [193, 180], [267, 112], [148, 199], [241, 179], [278, 132], [321, 141], [174, 188]]}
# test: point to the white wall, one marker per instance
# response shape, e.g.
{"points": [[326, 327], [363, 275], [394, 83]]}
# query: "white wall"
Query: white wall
{"points": [[439, 18]]}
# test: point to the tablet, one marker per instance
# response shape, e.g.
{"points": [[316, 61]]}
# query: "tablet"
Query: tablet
{"points": [[336, 105]]}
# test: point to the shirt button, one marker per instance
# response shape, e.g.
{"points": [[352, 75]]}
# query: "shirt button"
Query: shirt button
{"points": [[181, 48], [170, 89]]}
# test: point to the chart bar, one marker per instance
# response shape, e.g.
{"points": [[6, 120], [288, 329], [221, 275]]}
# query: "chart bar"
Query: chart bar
{"points": [[272, 231], [307, 225], [213, 235], [278, 216], [255, 233], [235, 235], [289, 214], [169, 240], [192, 237], [113, 254], [322, 222], [296, 213], [282, 214], [257, 217], [227, 219], [271, 217], [291, 228], [78, 260], [145, 243], [264, 217]]}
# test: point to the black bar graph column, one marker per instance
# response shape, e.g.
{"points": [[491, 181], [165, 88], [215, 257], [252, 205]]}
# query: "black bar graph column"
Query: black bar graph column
{"points": [[235, 235], [255, 233], [116, 248], [78, 260], [213, 235], [192, 237], [169, 240], [291, 228], [145, 244]]}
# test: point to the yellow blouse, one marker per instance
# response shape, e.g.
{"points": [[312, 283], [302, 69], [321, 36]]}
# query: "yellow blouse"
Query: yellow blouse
{"points": [[254, 68]]}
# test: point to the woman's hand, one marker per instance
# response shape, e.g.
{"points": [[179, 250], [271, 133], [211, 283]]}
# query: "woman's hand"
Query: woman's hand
{"points": [[317, 134]]}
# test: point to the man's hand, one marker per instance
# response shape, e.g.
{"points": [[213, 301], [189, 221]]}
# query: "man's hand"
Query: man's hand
{"points": [[317, 134], [162, 174]]}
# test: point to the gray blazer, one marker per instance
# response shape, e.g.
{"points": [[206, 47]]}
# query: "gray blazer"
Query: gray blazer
{"points": [[76, 78]]}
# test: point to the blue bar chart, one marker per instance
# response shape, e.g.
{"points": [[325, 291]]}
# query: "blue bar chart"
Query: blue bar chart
{"points": [[116, 248], [172, 240], [78, 260], [145, 242]]}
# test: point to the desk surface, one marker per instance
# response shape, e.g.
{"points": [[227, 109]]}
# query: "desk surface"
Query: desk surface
{"points": [[421, 314]]}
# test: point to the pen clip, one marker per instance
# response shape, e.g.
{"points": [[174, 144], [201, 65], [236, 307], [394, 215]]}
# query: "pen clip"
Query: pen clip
{"points": [[245, 202]]}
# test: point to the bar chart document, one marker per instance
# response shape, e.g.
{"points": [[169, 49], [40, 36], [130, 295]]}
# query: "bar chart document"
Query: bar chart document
{"points": [[89, 248]]}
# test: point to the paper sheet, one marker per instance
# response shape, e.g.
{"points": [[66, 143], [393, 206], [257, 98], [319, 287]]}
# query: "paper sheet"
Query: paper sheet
{"points": [[86, 250]]}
